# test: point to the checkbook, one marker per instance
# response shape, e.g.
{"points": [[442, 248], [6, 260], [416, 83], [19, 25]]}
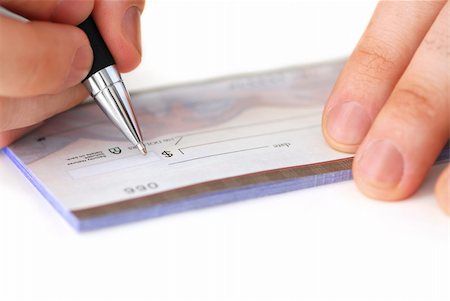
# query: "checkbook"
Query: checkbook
{"points": [[209, 143]]}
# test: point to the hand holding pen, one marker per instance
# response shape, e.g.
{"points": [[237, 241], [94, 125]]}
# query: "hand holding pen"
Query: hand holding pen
{"points": [[43, 62]]}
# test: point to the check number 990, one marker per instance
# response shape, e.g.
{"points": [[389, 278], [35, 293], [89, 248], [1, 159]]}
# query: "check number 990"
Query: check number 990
{"points": [[141, 188]]}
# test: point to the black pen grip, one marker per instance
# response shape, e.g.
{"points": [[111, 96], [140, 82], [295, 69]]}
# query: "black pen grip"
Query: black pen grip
{"points": [[102, 56]]}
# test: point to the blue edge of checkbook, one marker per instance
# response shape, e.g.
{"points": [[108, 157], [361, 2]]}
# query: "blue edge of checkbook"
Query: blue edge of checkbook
{"points": [[197, 202]]}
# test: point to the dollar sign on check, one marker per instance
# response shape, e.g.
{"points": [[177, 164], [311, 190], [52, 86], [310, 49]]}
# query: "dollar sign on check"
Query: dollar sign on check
{"points": [[167, 154]]}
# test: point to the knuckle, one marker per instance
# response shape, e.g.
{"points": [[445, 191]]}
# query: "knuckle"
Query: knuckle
{"points": [[375, 58], [418, 101], [437, 41]]}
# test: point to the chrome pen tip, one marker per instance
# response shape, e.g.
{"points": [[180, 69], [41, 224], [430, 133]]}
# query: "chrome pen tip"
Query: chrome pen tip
{"points": [[142, 148]]}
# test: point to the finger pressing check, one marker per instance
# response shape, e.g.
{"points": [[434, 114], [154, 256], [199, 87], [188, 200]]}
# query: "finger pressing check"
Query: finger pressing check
{"points": [[368, 78], [413, 126]]}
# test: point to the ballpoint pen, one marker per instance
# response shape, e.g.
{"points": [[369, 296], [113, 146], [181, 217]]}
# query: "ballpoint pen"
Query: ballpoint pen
{"points": [[107, 88]]}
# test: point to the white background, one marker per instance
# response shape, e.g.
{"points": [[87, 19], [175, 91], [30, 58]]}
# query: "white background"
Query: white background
{"points": [[323, 243]]}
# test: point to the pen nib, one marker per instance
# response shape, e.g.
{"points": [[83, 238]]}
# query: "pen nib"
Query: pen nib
{"points": [[142, 148]]}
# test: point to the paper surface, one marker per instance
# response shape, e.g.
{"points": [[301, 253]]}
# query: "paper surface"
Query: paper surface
{"points": [[209, 143]]}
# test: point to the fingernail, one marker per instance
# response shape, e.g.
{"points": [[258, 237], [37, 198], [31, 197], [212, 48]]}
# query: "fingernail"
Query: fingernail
{"points": [[381, 164], [348, 123], [131, 27], [81, 64]]}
